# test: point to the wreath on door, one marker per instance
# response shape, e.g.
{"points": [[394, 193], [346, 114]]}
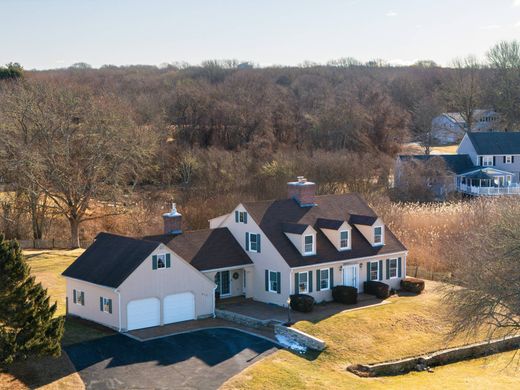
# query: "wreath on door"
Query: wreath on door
{"points": [[235, 275]]}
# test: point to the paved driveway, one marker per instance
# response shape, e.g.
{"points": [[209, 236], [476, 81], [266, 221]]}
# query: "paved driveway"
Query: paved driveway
{"points": [[199, 360]]}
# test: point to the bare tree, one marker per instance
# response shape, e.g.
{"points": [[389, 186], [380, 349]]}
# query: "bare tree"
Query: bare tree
{"points": [[423, 113], [71, 145]]}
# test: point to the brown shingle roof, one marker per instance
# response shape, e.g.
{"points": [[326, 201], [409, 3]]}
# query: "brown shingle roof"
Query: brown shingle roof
{"points": [[271, 215], [206, 249]]}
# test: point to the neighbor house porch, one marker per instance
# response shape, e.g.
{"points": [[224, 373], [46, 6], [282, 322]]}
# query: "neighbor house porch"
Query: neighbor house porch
{"points": [[487, 182]]}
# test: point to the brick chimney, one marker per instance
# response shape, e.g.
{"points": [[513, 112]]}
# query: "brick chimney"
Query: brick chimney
{"points": [[302, 191], [172, 221]]}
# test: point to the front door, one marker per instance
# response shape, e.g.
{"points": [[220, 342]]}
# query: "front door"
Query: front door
{"points": [[350, 275], [223, 282]]}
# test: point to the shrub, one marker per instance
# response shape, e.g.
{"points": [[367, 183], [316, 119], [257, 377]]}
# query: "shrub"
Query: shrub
{"points": [[302, 302], [412, 285], [379, 289], [345, 294]]}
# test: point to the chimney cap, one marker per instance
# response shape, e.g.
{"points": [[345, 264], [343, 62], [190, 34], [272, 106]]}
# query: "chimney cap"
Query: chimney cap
{"points": [[173, 212]]}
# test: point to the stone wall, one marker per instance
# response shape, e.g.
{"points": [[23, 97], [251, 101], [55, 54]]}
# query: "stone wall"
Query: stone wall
{"points": [[300, 337], [438, 358], [241, 319]]}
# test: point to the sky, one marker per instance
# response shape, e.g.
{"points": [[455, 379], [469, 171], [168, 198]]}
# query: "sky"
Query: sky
{"points": [[44, 34]]}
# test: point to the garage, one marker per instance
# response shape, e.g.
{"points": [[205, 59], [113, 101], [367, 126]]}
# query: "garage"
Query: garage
{"points": [[143, 313], [179, 307]]}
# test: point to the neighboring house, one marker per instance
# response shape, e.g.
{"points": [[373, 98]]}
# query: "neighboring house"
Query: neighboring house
{"points": [[450, 127], [486, 164], [261, 250]]}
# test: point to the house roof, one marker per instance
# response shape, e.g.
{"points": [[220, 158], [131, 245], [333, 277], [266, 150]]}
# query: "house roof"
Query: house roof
{"points": [[457, 163], [333, 224], [367, 220], [480, 174], [271, 215], [110, 259], [495, 142], [206, 249], [295, 228]]}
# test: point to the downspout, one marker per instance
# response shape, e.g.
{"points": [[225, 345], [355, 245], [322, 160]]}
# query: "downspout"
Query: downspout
{"points": [[214, 291], [118, 307]]}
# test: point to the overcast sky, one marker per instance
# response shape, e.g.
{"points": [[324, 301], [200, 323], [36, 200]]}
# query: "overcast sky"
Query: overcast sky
{"points": [[57, 33]]}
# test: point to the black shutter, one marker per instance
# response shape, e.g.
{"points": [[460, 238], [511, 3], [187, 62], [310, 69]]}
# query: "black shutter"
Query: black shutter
{"points": [[82, 298], [258, 246], [368, 271], [512, 159], [480, 161], [380, 269], [236, 216], [168, 260], [110, 306], [101, 303], [310, 281], [74, 296], [247, 241], [154, 262], [504, 159], [388, 268], [331, 277], [399, 264], [245, 217], [318, 281], [494, 161], [296, 282], [266, 280], [279, 282]]}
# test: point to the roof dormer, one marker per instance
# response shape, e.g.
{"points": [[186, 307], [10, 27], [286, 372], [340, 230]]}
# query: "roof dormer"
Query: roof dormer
{"points": [[338, 232], [371, 227], [303, 237]]}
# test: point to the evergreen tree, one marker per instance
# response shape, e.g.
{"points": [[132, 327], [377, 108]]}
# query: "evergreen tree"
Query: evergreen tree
{"points": [[27, 326]]}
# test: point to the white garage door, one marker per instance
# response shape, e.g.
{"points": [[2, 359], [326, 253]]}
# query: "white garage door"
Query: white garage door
{"points": [[179, 307], [143, 313]]}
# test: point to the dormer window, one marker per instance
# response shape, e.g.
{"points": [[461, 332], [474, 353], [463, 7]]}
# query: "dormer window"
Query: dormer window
{"points": [[343, 239], [378, 235], [240, 216], [309, 244]]}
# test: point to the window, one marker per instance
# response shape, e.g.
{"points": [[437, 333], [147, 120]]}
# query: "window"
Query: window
{"points": [[78, 297], [392, 268], [223, 282], [303, 282], [309, 244], [240, 216], [324, 279], [378, 235], [374, 270], [487, 161], [508, 159], [106, 305], [161, 261], [273, 281], [254, 242], [343, 239]]}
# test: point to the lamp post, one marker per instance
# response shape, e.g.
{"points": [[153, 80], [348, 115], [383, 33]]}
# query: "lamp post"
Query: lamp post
{"points": [[289, 310]]}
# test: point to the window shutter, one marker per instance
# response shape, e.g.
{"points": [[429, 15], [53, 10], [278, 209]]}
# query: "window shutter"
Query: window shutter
{"points": [[480, 161], [380, 269], [368, 271], [318, 280], [399, 271], [504, 159], [310, 281], [74, 296], [247, 241], [279, 282], [258, 243], [101, 303], [331, 277], [494, 161], [82, 298], [154, 262], [245, 217], [266, 280], [512, 159], [236, 215], [388, 268], [296, 282], [168, 260], [110, 306]]}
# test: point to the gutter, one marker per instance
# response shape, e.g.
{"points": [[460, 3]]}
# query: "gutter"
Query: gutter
{"points": [[118, 307], [214, 291]]}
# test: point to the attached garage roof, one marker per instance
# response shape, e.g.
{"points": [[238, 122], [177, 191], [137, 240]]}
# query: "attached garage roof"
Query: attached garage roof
{"points": [[206, 249], [110, 259]]}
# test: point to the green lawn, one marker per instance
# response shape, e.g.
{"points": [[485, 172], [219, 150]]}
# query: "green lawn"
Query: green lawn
{"points": [[407, 326]]}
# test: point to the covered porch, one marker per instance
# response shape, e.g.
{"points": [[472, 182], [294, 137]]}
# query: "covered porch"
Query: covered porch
{"points": [[231, 281], [487, 181]]}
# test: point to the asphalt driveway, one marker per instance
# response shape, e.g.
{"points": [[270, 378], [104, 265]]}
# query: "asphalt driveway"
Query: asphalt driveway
{"points": [[198, 360]]}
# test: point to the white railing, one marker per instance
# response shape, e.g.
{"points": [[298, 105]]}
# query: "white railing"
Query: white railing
{"points": [[491, 191]]}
